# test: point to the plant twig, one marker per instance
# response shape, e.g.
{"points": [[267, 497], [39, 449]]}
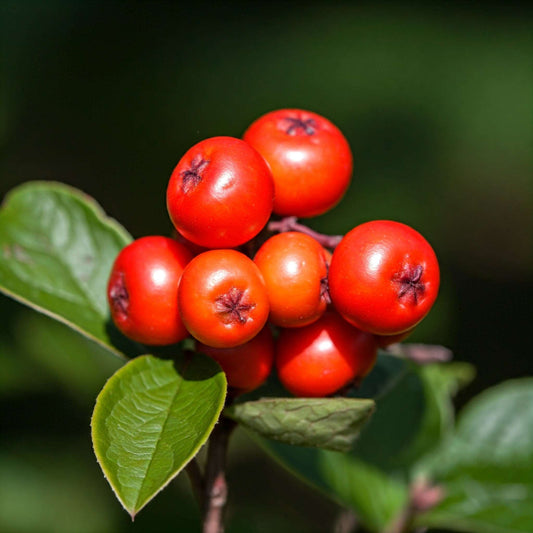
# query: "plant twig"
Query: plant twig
{"points": [[346, 522], [216, 489], [421, 353], [292, 224], [422, 497]]}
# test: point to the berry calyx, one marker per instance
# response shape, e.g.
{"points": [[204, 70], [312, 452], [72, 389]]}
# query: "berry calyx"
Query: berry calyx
{"points": [[143, 290], [234, 306], [220, 195], [410, 284], [384, 277], [192, 176], [310, 159], [222, 298]]}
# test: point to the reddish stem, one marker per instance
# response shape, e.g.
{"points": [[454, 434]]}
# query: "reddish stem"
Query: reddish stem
{"points": [[421, 353], [423, 496], [216, 489], [292, 224]]}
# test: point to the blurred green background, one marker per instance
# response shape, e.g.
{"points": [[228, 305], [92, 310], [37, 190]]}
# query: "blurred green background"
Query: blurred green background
{"points": [[436, 101]]}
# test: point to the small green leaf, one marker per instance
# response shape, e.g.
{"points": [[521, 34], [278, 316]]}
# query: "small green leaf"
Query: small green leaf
{"points": [[398, 419], [329, 423], [57, 247], [378, 498], [150, 420], [441, 382], [486, 467]]}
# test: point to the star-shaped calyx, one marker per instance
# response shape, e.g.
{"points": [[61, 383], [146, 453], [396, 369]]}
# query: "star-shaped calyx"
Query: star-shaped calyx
{"points": [[234, 306], [299, 125], [410, 285], [119, 296], [192, 176]]}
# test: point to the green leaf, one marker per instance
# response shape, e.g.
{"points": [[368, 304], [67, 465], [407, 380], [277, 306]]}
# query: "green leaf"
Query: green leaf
{"points": [[398, 418], [378, 498], [329, 423], [486, 467], [66, 359], [150, 420], [414, 410], [388, 371], [375, 497], [441, 382], [57, 248]]}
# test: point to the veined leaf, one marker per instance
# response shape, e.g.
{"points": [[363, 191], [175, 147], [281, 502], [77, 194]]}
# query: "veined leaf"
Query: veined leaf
{"points": [[57, 247], [150, 420], [329, 423]]}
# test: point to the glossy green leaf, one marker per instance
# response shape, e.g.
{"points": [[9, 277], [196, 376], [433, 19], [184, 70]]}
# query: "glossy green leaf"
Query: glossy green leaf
{"points": [[486, 467], [57, 247], [150, 420], [329, 423]]}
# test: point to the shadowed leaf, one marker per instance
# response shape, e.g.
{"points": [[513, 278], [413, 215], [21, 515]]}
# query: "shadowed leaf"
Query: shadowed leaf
{"points": [[329, 423]]}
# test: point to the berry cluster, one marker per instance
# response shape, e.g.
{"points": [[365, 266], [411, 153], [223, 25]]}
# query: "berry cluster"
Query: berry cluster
{"points": [[235, 276]]}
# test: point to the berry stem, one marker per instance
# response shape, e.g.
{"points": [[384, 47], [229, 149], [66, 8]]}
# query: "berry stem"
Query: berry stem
{"points": [[216, 489], [292, 224], [423, 496], [421, 353]]}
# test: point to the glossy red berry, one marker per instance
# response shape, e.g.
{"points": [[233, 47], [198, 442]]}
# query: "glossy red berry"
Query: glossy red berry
{"points": [[295, 270], [143, 290], [319, 359], [310, 159], [222, 298], [220, 194], [246, 366], [384, 277]]}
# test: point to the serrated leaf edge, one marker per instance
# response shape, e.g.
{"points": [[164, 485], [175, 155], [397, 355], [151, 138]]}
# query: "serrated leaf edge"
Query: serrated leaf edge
{"points": [[134, 512]]}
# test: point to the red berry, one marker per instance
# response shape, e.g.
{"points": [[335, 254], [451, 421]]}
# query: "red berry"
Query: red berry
{"points": [[143, 290], [220, 194], [384, 277], [222, 298], [246, 366], [321, 358], [310, 159], [295, 271]]}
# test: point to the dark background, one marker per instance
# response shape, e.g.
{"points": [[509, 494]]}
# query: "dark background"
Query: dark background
{"points": [[436, 101]]}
